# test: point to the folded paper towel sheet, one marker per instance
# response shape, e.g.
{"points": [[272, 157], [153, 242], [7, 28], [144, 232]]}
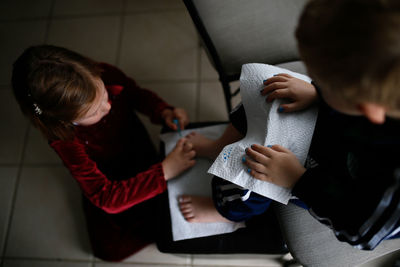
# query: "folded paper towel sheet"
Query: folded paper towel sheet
{"points": [[266, 126], [195, 181]]}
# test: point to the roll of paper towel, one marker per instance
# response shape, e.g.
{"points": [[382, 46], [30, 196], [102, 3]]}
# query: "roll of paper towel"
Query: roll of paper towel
{"points": [[265, 126]]}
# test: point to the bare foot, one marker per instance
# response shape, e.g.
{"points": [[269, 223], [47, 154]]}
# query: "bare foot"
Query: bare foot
{"points": [[179, 159], [197, 209], [204, 147]]}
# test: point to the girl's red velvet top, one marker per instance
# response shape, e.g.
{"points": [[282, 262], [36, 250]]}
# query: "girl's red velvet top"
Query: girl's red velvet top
{"points": [[120, 143]]}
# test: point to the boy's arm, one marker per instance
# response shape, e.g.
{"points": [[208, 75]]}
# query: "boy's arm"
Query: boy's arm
{"points": [[361, 212], [236, 130], [361, 209]]}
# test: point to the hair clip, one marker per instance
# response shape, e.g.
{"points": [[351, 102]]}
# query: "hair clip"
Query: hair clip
{"points": [[38, 111]]}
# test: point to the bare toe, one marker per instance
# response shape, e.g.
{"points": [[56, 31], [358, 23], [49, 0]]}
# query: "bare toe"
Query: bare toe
{"points": [[186, 207], [188, 146], [184, 199], [188, 216], [197, 209]]}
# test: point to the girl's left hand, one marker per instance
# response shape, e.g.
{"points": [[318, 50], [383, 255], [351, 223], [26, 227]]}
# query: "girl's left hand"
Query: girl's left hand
{"points": [[169, 115], [274, 164]]}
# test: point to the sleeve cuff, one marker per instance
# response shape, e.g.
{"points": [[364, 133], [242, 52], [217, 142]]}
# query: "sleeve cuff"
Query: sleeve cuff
{"points": [[304, 187]]}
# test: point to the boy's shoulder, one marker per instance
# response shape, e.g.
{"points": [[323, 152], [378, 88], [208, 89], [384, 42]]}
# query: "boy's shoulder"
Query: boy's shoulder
{"points": [[353, 127]]}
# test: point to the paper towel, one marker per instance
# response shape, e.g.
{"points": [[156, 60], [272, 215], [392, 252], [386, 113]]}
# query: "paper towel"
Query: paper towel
{"points": [[266, 126], [195, 181]]}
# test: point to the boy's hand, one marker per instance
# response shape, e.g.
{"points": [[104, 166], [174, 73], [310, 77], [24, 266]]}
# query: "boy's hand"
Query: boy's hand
{"points": [[179, 159], [176, 114], [301, 93], [274, 164]]}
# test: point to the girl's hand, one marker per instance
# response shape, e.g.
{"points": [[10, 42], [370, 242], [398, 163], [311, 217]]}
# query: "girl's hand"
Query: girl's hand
{"points": [[274, 164], [180, 159], [169, 115], [301, 93]]}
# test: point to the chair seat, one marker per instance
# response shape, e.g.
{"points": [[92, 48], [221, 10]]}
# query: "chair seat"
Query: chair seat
{"points": [[296, 66], [314, 244], [246, 31]]}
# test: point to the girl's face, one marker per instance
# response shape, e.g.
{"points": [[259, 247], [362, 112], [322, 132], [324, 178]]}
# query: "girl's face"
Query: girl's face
{"points": [[98, 108]]}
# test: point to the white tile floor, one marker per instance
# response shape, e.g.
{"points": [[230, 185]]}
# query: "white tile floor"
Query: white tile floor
{"points": [[154, 41]]}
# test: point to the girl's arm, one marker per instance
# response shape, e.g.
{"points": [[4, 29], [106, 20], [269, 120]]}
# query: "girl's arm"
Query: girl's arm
{"points": [[143, 100], [117, 196]]}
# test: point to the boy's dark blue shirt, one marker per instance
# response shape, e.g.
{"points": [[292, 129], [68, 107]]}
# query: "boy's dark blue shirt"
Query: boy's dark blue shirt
{"points": [[354, 187], [353, 184]]}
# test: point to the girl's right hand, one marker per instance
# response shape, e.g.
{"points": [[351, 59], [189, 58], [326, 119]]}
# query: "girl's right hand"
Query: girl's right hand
{"points": [[301, 93], [179, 159]]}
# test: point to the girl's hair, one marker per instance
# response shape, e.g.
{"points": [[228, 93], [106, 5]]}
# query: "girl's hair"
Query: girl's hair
{"points": [[54, 86], [352, 48]]}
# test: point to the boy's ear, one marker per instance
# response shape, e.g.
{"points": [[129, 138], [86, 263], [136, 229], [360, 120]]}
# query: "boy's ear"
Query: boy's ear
{"points": [[374, 112]]}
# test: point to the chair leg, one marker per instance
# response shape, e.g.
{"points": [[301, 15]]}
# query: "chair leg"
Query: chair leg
{"points": [[288, 261], [227, 93]]}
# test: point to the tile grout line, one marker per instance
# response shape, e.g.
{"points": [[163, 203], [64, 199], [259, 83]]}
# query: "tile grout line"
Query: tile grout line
{"points": [[47, 259], [198, 78], [14, 195], [191, 260], [9, 165], [22, 158], [170, 81], [91, 15], [96, 15], [49, 21], [121, 33]]}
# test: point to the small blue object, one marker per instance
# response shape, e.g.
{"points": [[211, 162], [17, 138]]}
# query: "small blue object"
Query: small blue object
{"points": [[281, 109], [244, 159], [176, 122], [269, 146], [248, 170]]}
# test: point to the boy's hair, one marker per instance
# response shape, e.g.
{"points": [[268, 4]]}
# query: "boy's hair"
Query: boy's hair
{"points": [[352, 48], [53, 87]]}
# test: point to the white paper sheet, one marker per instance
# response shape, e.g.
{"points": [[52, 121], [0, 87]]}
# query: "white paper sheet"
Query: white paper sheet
{"points": [[195, 181], [266, 126]]}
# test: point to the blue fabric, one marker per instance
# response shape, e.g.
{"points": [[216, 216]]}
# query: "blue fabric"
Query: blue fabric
{"points": [[395, 236], [232, 201], [299, 203], [229, 203]]}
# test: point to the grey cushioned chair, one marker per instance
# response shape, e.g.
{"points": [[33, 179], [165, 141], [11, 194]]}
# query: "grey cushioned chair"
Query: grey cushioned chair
{"points": [[235, 32]]}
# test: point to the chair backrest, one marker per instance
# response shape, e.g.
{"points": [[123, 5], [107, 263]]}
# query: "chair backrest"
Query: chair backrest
{"points": [[236, 32]]}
